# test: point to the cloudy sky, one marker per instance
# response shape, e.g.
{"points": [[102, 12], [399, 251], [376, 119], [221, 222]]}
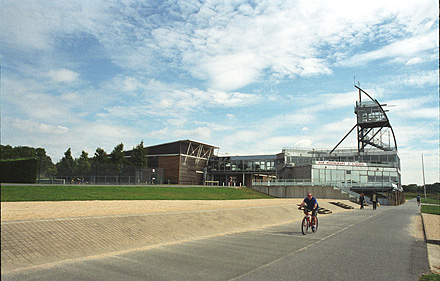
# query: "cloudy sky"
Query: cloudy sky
{"points": [[251, 77]]}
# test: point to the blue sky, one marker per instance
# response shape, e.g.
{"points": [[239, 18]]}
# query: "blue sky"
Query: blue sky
{"points": [[251, 77]]}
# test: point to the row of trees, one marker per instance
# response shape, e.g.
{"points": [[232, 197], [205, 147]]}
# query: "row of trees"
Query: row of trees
{"points": [[101, 161], [68, 166], [430, 188]]}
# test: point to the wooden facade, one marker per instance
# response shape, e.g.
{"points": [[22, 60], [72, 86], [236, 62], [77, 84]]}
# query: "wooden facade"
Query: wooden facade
{"points": [[183, 162]]}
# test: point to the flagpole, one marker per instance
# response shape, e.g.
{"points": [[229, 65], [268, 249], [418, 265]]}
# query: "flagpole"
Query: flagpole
{"points": [[423, 171]]}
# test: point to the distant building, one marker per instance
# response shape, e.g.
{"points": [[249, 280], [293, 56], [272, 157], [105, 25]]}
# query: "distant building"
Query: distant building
{"points": [[373, 166], [375, 170], [182, 162]]}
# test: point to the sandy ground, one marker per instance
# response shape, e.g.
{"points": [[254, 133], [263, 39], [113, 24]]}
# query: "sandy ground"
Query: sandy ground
{"points": [[13, 211]]}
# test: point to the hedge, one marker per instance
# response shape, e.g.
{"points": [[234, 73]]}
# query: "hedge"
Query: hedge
{"points": [[18, 170]]}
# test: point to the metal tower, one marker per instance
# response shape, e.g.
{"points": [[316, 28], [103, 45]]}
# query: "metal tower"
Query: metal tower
{"points": [[373, 126]]}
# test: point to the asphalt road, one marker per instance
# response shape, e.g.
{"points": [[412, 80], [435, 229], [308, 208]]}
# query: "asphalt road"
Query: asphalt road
{"points": [[354, 245]]}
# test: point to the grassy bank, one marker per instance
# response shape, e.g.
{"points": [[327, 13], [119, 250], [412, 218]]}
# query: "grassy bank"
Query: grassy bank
{"points": [[15, 193], [432, 198], [431, 209]]}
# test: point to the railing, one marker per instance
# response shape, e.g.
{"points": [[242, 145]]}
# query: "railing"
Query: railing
{"points": [[345, 186], [304, 182]]}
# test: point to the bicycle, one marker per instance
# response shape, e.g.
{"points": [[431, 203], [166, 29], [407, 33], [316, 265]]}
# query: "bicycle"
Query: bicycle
{"points": [[307, 223]]}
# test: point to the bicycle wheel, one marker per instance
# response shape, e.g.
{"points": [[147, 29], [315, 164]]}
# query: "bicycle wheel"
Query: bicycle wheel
{"points": [[316, 225], [304, 226]]}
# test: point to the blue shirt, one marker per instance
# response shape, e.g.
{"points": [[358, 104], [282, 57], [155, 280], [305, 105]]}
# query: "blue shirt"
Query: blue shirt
{"points": [[311, 203]]}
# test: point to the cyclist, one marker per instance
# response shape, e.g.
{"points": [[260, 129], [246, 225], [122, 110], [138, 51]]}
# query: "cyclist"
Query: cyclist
{"points": [[312, 205]]}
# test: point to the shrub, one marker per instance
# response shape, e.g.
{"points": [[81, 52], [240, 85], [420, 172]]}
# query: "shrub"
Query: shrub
{"points": [[19, 170]]}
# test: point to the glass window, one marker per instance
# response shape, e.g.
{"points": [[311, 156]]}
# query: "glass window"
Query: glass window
{"points": [[233, 167], [248, 165], [322, 175]]}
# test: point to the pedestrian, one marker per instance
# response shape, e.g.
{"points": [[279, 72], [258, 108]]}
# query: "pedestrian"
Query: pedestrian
{"points": [[374, 200], [418, 200], [361, 200]]}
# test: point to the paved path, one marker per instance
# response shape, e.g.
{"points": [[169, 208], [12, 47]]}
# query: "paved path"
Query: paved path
{"points": [[357, 245]]}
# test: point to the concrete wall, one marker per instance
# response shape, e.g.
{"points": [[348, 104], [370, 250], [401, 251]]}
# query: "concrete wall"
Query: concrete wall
{"points": [[323, 192]]}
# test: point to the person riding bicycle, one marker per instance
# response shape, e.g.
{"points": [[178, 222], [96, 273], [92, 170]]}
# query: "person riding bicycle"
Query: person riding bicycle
{"points": [[311, 205]]}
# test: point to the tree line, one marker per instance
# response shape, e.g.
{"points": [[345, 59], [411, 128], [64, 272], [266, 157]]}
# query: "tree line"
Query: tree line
{"points": [[430, 188], [68, 166]]}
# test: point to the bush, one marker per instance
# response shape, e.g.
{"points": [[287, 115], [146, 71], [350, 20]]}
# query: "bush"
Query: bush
{"points": [[19, 170]]}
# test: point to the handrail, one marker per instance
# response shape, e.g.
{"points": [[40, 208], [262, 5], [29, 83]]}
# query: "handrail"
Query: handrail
{"points": [[305, 182]]}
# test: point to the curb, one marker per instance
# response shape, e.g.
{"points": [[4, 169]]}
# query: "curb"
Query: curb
{"points": [[434, 269]]}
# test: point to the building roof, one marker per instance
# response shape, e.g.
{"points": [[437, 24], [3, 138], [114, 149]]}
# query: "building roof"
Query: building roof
{"points": [[187, 140]]}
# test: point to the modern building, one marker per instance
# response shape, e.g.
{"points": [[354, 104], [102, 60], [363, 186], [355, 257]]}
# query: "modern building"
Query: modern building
{"points": [[373, 166], [375, 170], [182, 162]]}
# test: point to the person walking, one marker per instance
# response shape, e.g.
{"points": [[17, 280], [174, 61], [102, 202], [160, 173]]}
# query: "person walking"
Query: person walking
{"points": [[418, 200], [361, 200], [374, 200]]}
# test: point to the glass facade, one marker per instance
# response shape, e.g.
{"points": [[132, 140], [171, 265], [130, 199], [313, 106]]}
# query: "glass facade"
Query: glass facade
{"points": [[240, 164], [355, 176], [242, 169], [375, 169], [376, 156]]}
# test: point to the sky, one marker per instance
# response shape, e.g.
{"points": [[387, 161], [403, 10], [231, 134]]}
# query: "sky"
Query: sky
{"points": [[251, 77]]}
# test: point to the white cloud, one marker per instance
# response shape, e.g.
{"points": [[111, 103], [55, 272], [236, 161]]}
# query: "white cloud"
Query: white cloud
{"points": [[201, 133], [62, 75], [416, 135], [405, 51], [31, 127], [234, 44], [419, 107], [419, 79]]}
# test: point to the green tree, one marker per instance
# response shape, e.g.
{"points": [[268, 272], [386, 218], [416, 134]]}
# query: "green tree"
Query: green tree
{"points": [[138, 157], [84, 163], [45, 164], [8, 152], [25, 152], [66, 165], [117, 157], [99, 159]]}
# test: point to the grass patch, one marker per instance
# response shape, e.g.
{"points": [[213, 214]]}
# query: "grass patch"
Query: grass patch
{"points": [[432, 198], [430, 277], [16, 193], [431, 209]]}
